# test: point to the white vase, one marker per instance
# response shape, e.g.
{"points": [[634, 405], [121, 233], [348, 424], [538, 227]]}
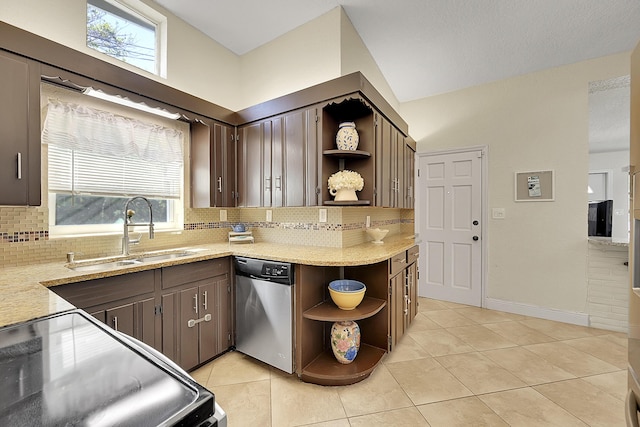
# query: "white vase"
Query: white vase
{"points": [[347, 137], [344, 195]]}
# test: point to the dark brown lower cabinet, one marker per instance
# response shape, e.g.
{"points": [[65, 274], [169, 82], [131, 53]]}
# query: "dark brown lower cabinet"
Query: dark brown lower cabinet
{"points": [[196, 315], [388, 308], [126, 303], [184, 311]]}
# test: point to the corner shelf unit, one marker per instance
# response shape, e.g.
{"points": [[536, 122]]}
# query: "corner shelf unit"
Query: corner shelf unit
{"points": [[314, 357], [350, 108]]}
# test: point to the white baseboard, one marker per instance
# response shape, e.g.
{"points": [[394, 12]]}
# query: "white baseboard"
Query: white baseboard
{"points": [[574, 318]]}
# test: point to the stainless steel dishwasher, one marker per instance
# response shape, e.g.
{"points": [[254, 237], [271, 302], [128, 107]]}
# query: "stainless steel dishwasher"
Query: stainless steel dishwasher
{"points": [[264, 311]]}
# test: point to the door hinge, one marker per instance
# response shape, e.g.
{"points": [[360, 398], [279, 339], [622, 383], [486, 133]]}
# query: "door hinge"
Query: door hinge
{"points": [[157, 310], [317, 118], [390, 289], [418, 172], [389, 342]]}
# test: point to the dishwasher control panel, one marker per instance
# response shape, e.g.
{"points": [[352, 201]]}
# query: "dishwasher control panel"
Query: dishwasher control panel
{"points": [[281, 272]]}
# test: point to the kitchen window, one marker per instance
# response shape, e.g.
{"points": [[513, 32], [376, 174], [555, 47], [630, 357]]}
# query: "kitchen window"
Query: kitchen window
{"points": [[131, 32], [98, 159]]}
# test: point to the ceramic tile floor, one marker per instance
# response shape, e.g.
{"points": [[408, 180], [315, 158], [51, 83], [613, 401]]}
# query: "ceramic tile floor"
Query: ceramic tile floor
{"points": [[456, 366]]}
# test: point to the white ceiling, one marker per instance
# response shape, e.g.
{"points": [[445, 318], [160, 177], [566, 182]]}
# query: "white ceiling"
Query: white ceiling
{"points": [[427, 47]]}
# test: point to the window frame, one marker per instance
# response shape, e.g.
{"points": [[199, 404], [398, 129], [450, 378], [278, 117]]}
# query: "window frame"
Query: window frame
{"points": [[141, 12], [176, 206]]}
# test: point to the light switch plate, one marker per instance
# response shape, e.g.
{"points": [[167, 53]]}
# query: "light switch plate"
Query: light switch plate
{"points": [[322, 215], [223, 215], [498, 213], [269, 215]]}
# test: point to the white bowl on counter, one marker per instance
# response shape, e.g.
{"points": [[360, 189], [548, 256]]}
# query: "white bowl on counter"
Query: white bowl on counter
{"points": [[377, 234]]}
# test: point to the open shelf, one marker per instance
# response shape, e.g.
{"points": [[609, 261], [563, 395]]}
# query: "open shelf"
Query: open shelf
{"points": [[326, 370], [347, 153], [348, 203], [327, 311]]}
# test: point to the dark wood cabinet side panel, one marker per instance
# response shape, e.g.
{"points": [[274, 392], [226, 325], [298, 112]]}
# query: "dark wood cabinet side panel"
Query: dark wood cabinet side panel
{"points": [[102, 291], [311, 289], [222, 313]]}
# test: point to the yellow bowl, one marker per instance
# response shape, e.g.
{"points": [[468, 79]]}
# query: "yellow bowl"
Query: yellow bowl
{"points": [[347, 294]]}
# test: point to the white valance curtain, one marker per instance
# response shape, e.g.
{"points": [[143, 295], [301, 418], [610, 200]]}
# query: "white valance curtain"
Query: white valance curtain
{"points": [[97, 152]]}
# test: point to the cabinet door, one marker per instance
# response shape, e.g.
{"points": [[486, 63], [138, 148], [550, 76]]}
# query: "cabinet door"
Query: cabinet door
{"points": [[385, 162], [189, 309], [19, 131], [213, 171], [121, 319], [207, 330], [299, 161], [409, 176], [145, 322], [252, 159]]}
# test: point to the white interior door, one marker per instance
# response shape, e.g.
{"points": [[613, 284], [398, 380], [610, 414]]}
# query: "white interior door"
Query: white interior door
{"points": [[450, 225]]}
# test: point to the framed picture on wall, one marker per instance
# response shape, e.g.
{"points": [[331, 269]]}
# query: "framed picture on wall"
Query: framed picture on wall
{"points": [[534, 186]]}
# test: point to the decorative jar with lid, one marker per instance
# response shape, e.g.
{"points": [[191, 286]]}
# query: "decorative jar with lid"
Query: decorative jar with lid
{"points": [[347, 137]]}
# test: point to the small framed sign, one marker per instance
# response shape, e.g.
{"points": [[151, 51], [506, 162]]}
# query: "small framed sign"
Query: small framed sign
{"points": [[534, 186]]}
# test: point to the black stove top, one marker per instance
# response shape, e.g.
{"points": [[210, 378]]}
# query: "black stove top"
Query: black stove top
{"points": [[69, 369]]}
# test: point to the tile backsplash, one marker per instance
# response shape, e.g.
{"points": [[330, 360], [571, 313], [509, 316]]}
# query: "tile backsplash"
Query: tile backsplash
{"points": [[25, 237]]}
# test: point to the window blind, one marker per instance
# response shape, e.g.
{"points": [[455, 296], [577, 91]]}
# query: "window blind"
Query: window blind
{"points": [[96, 152]]}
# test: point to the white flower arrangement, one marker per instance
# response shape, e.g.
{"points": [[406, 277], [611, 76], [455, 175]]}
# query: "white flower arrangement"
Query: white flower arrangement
{"points": [[346, 179]]}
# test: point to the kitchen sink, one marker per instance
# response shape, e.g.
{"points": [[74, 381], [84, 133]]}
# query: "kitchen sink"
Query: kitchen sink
{"points": [[88, 266], [163, 257]]}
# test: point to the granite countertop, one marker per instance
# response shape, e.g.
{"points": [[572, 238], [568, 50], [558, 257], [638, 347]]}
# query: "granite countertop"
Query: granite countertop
{"points": [[24, 293]]}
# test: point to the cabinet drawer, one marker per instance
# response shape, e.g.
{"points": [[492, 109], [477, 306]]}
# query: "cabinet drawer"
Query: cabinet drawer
{"points": [[106, 290], [397, 263], [193, 272], [412, 254]]}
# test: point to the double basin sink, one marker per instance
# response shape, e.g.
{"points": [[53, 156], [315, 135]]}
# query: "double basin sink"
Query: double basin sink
{"points": [[109, 263]]}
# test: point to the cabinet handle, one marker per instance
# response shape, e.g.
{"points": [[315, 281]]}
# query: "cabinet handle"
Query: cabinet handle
{"points": [[205, 299], [195, 303], [268, 186], [219, 184], [19, 165], [278, 182], [115, 322]]}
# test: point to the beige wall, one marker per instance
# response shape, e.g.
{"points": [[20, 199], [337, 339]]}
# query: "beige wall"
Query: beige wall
{"points": [[196, 64], [537, 254], [354, 56], [303, 57]]}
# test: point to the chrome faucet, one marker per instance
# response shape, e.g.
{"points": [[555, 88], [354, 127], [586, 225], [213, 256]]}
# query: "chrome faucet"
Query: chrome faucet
{"points": [[125, 239]]}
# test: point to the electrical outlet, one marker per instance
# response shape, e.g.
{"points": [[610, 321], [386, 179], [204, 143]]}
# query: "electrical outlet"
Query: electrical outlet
{"points": [[322, 215], [368, 221], [498, 213], [223, 215], [269, 215]]}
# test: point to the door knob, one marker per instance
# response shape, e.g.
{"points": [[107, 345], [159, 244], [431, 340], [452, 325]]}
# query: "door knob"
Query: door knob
{"points": [[475, 222], [475, 238]]}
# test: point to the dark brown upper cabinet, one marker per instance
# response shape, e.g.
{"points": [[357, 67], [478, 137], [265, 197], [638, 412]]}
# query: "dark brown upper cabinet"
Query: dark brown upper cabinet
{"points": [[213, 164], [278, 161], [19, 131]]}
